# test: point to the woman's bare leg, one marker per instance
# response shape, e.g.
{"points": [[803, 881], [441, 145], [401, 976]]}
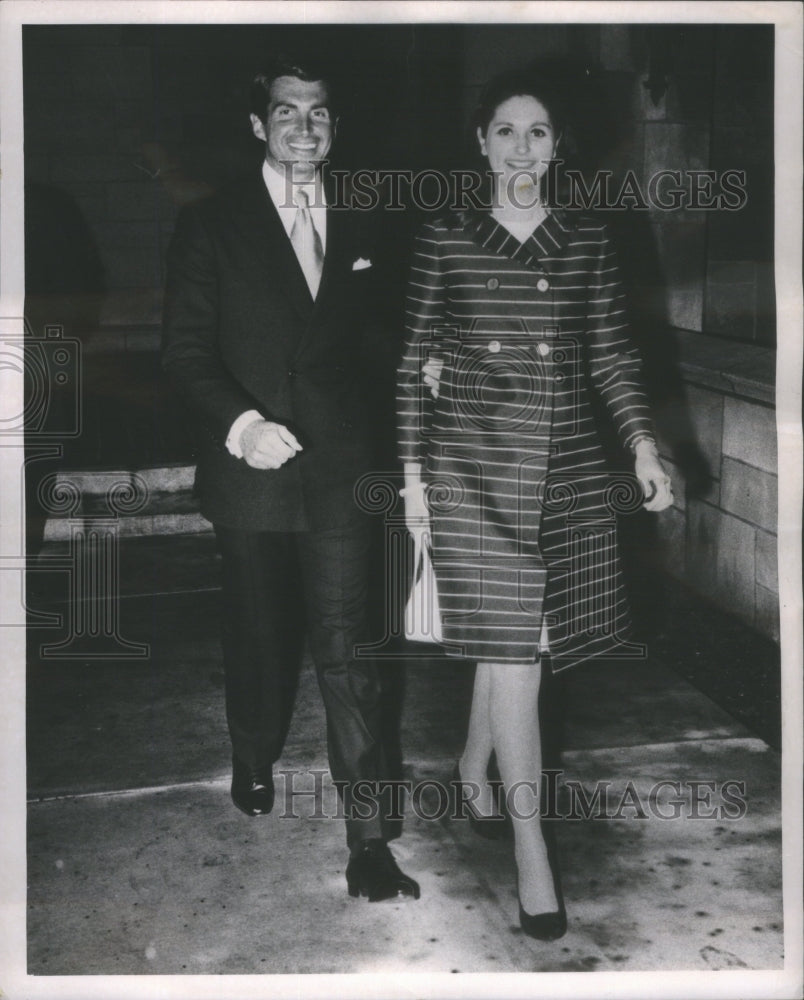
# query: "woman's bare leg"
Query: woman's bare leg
{"points": [[477, 751], [516, 738]]}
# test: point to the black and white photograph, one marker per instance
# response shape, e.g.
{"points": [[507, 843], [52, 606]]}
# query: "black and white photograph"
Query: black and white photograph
{"points": [[401, 499]]}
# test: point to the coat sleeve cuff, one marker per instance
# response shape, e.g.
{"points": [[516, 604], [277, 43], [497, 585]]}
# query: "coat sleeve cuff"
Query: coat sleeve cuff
{"points": [[237, 428]]}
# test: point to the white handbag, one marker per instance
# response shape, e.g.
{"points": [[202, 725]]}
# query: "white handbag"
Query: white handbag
{"points": [[422, 613]]}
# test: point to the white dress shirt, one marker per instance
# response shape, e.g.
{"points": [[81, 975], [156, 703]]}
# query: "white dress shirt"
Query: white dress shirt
{"points": [[281, 192]]}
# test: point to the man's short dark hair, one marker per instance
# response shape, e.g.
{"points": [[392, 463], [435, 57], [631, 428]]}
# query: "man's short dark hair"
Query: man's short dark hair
{"points": [[286, 64]]}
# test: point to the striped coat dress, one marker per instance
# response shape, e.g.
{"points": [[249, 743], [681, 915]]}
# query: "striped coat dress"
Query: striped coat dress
{"points": [[523, 508]]}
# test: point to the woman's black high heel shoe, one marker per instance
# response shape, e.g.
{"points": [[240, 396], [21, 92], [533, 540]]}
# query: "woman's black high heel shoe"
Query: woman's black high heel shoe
{"points": [[489, 827], [544, 926], [552, 925]]}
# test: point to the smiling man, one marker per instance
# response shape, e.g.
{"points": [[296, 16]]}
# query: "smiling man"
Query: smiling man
{"points": [[264, 312]]}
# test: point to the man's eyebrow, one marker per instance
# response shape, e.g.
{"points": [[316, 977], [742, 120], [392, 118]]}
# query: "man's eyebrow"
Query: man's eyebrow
{"points": [[294, 104]]}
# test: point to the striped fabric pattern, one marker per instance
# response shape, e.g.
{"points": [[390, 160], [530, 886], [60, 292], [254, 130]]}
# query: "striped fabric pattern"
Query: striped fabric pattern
{"points": [[523, 508]]}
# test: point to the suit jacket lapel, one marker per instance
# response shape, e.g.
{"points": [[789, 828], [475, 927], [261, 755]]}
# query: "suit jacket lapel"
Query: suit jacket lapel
{"points": [[336, 248], [272, 245], [336, 232]]}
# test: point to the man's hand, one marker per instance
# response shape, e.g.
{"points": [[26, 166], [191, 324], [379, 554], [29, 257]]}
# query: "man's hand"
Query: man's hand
{"points": [[266, 445], [651, 474]]}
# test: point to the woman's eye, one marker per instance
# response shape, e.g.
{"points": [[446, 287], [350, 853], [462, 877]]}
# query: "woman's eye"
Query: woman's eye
{"points": [[503, 130], [538, 132]]}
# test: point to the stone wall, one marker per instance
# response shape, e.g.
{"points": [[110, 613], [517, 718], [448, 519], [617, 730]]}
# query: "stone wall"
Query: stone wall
{"points": [[720, 536]]}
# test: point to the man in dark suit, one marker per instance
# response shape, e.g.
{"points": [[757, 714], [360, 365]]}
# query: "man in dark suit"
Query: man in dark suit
{"points": [[264, 310]]}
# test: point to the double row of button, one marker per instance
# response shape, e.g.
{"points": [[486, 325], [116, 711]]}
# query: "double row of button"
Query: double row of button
{"points": [[495, 347], [543, 285]]}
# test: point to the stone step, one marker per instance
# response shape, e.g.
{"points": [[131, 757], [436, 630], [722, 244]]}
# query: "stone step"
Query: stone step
{"points": [[148, 564], [164, 479], [153, 501]]}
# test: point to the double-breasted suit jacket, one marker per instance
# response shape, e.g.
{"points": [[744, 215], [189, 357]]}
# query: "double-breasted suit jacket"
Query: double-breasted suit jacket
{"points": [[242, 332], [524, 511]]}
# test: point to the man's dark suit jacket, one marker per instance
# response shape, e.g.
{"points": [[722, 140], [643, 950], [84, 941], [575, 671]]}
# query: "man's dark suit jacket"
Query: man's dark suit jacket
{"points": [[241, 332]]}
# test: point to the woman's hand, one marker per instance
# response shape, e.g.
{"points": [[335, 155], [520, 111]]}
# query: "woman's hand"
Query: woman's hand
{"points": [[417, 514], [432, 374], [651, 474]]}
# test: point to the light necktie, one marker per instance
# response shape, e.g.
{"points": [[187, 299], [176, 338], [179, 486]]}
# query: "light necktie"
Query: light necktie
{"points": [[307, 243]]}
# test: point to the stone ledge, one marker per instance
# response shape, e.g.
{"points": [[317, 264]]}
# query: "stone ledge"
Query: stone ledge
{"points": [[135, 525], [164, 479], [739, 369]]}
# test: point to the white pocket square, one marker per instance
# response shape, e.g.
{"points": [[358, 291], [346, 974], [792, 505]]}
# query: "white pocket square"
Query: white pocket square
{"points": [[360, 264]]}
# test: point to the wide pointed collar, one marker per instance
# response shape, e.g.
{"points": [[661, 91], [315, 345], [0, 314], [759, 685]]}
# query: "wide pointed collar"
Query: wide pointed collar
{"points": [[548, 239]]}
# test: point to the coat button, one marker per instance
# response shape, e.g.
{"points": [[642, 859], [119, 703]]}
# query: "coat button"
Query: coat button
{"points": [[494, 347], [543, 349], [542, 284], [292, 373], [493, 284]]}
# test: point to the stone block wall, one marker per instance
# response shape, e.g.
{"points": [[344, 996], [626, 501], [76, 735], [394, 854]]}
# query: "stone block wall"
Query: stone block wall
{"points": [[720, 537]]}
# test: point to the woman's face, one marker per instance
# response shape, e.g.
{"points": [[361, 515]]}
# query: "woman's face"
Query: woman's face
{"points": [[519, 143]]}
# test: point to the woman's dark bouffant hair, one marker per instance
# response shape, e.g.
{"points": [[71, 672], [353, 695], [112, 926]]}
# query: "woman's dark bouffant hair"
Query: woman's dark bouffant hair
{"points": [[528, 82]]}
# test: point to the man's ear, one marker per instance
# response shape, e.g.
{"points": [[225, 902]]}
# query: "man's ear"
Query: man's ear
{"points": [[258, 128]]}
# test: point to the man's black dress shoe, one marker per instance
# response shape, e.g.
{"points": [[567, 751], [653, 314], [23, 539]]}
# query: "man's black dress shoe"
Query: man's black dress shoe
{"points": [[252, 788], [373, 872]]}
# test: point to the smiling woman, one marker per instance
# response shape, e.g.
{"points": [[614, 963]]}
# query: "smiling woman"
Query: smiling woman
{"points": [[519, 143], [521, 308]]}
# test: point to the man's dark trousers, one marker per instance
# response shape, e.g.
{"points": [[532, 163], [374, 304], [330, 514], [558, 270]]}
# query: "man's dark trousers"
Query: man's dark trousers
{"points": [[259, 573]]}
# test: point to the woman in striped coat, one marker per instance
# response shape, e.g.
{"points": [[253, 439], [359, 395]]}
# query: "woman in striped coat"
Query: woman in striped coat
{"points": [[515, 319]]}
